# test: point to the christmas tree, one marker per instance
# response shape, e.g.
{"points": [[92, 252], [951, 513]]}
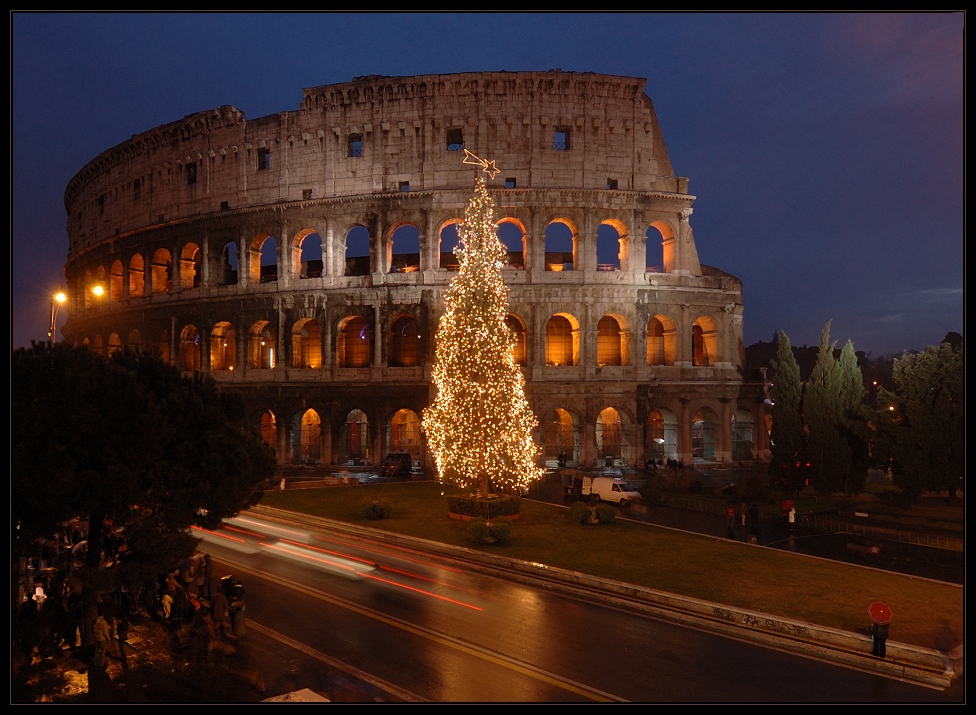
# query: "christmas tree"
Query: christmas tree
{"points": [[479, 427]]}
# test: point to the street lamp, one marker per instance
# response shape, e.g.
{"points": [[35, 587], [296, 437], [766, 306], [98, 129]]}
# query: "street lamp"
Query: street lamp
{"points": [[57, 300]]}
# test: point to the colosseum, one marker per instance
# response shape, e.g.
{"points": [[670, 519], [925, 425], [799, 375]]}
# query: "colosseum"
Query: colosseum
{"points": [[301, 259]]}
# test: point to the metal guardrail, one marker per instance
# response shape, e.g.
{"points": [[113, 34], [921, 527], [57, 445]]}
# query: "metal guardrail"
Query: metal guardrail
{"points": [[879, 532]]}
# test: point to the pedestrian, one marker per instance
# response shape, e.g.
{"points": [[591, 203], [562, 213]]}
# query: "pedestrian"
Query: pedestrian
{"points": [[167, 606], [880, 633], [122, 630], [730, 512], [219, 613], [206, 575], [102, 636], [742, 514], [791, 518]]}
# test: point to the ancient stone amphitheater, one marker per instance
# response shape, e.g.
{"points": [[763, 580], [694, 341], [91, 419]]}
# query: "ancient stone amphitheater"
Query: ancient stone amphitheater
{"points": [[301, 259]]}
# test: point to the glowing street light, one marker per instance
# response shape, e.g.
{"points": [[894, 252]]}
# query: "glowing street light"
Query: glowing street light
{"points": [[57, 300]]}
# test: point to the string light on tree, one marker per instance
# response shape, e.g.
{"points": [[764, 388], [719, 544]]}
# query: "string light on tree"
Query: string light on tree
{"points": [[479, 427]]}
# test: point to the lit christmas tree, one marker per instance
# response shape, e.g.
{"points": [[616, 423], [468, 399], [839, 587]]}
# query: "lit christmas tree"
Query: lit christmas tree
{"points": [[479, 428]]}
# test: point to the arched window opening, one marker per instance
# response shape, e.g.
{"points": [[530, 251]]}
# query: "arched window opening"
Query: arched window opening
{"points": [[229, 264], [137, 276], [116, 287], [609, 435], [449, 240], [114, 344], [354, 344], [223, 347], [162, 271], [513, 239], [261, 343], [704, 343], [357, 252], [97, 346], [404, 342], [662, 341], [608, 340], [268, 269], [190, 266], [189, 360], [306, 344], [560, 247], [135, 341], [405, 433], [560, 439], [661, 436], [309, 448], [357, 437], [654, 246], [560, 342], [518, 330], [742, 436], [703, 435], [405, 250], [310, 257], [269, 430], [609, 248]]}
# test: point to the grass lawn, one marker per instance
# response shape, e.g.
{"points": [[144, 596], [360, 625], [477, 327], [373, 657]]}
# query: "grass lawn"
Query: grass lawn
{"points": [[737, 574]]}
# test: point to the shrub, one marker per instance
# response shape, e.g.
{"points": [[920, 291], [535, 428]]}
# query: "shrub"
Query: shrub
{"points": [[490, 532], [604, 513], [490, 507], [375, 508], [579, 513]]}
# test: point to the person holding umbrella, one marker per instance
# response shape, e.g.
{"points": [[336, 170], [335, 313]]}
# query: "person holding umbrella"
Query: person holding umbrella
{"points": [[881, 616]]}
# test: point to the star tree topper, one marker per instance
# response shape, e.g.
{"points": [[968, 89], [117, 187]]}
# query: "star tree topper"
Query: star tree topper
{"points": [[486, 166]]}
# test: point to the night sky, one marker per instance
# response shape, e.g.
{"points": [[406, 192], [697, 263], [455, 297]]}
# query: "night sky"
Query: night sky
{"points": [[825, 150]]}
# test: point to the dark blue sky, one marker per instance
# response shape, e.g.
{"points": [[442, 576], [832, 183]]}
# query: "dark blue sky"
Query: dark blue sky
{"points": [[825, 150]]}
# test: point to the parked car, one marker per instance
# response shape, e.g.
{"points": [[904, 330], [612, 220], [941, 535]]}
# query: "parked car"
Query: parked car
{"points": [[611, 489], [397, 464]]}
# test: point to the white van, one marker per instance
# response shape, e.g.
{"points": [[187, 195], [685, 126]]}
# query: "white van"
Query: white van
{"points": [[611, 489]]}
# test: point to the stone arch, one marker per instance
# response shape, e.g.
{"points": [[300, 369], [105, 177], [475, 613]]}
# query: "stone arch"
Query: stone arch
{"points": [[114, 344], [306, 344], [354, 344], [162, 271], [515, 324], [612, 340], [511, 233], [403, 250], [356, 438], [116, 285], [137, 275], [96, 345], [189, 351], [704, 423], [223, 347], [261, 344], [704, 343], [561, 245], [661, 435], [264, 258], [229, 264], [668, 239], [447, 240], [612, 245], [562, 340], [404, 342], [134, 341], [190, 274], [357, 251], [743, 429], [269, 430], [662, 340], [404, 434], [561, 438], [610, 437], [308, 437], [307, 256]]}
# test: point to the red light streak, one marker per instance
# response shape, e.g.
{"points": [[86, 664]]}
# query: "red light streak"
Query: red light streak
{"points": [[310, 557], [424, 593], [217, 533], [333, 553]]}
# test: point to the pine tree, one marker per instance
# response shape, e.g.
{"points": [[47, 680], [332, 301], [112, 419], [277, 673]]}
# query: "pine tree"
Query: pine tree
{"points": [[854, 420], [479, 427], [786, 438]]}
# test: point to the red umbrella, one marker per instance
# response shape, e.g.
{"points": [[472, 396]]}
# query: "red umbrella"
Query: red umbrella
{"points": [[880, 612]]}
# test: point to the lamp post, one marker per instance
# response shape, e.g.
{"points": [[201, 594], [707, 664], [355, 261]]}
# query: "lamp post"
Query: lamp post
{"points": [[57, 300]]}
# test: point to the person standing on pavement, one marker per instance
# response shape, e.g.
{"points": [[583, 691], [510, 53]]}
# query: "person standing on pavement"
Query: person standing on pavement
{"points": [[122, 631], [791, 518], [880, 633], [102, 636], [730, 512], [219, 613]]}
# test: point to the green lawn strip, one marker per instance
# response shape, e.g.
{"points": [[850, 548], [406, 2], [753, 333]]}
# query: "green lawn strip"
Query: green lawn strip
{"points": [[779, 583]]}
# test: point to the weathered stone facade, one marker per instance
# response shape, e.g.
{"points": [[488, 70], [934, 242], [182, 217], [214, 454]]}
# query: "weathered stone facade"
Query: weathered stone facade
{"points": [[233, 247]]}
